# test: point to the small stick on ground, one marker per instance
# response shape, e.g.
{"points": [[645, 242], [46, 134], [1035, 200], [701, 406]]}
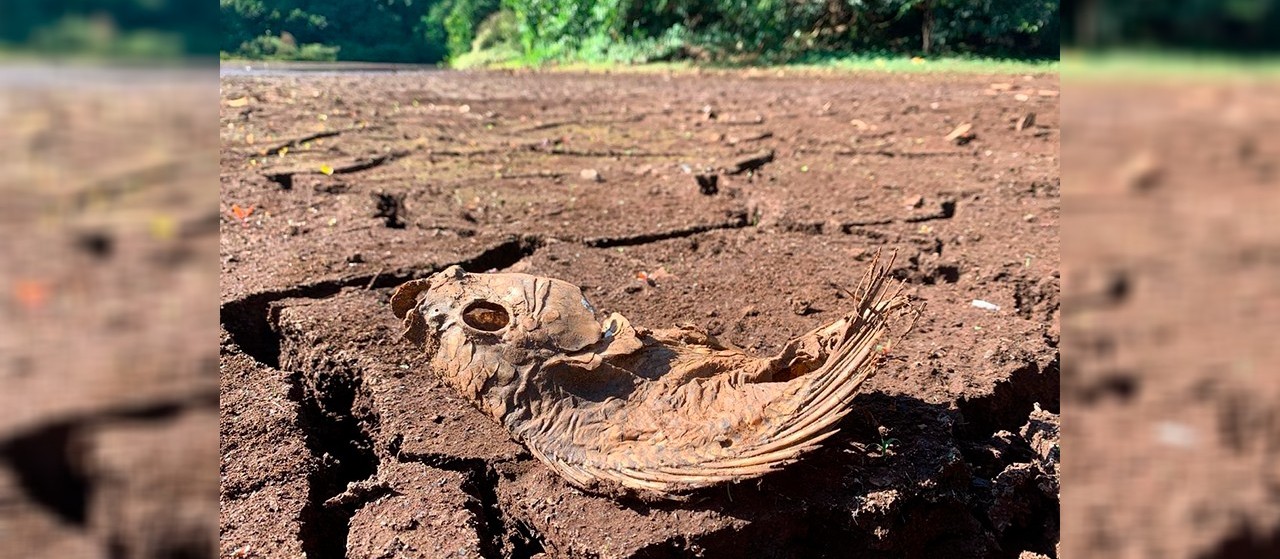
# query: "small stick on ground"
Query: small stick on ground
{"points": [[374, 279], [750, 163]]}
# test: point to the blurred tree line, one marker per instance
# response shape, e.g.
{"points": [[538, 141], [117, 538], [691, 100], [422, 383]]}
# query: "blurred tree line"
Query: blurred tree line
{"points": [[118, 28], [627, 30], [1217, 25], [635, 30]]}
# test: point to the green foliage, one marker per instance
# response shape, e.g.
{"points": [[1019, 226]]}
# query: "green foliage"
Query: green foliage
{"points": [[1230, 25], [997, 26], [884, 446], [499, 30], [110, 28], [368, 30], [733, 31], [774, 31], [284, 47], [462, 23]]}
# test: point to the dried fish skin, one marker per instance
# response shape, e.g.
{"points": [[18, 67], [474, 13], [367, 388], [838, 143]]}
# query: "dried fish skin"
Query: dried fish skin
{"points": [[615, 408]]}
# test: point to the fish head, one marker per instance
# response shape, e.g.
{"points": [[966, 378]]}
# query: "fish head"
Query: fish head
{"points": [[488, 332]]}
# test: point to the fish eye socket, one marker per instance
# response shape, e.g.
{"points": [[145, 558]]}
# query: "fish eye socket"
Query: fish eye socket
{"points": [[486, 316]]}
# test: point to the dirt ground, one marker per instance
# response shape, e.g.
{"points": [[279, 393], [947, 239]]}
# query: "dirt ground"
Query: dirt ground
{"points": [[1171, 277], [108, 362], [752, 199]]}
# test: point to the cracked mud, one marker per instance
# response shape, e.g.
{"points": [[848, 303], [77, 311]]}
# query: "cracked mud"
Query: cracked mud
{"points": [[107, 242], [335, 444]]}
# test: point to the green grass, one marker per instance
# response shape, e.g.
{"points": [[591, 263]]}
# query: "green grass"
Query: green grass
{"points": [[950, 65], [499, 57], [1149, 65], [897, 64], [99, 60]]}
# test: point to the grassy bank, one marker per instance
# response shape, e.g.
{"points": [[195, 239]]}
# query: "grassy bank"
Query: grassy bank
{"points": [[887, 64], [1139, 65]]}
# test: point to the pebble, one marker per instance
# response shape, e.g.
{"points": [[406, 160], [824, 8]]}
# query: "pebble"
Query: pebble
{"points": [[984, 305]]}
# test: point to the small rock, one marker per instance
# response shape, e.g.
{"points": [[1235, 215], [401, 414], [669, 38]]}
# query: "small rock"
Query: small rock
{"points": [[356, 258], [749, 311], [1027, 121], [709, 112], [833, 226], [913, 201], [708, 184], [984, 305], [1142, 173], [632, 288], [801, 306], [1177, 434], [1055, 327], [962, 134], [1042, 432], [591, 175]]}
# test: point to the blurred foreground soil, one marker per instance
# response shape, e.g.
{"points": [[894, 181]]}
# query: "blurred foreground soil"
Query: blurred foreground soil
{"points": [[1171, 288], [108, 241]]}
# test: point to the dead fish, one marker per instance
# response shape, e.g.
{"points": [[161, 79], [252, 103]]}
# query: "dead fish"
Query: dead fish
{"points": [[619, 409]]}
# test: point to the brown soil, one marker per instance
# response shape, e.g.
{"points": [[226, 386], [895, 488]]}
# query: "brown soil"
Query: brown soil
{"points": [[1174, 422], [335, 443], [107, 361]]}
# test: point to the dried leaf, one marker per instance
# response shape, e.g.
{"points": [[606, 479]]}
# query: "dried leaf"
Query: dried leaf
{"points": [[31, 294], [242, 214]]}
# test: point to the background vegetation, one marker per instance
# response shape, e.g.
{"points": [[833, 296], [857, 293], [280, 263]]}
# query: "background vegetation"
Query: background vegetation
{"points": [[146, 29], [538, 31], [1224, 26]]}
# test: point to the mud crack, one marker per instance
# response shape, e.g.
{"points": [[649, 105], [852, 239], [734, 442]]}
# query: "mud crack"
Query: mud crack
{"points": [[736, 221], [285, 178], [1247, 543], [46, 459], [250, 321], [340, 443], [1010, 401], [500, 536]]}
